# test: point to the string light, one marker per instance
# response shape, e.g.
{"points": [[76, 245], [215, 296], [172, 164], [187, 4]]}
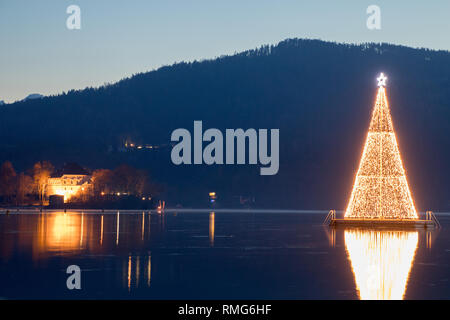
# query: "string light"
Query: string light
{"points": [[381, 189]]}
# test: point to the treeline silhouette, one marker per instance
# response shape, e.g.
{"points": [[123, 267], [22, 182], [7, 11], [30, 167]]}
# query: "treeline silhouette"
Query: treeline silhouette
{"points": [[319, 94], [120, 186]]}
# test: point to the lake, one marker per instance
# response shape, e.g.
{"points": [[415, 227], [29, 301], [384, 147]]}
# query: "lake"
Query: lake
{"points": [[216, 255]]}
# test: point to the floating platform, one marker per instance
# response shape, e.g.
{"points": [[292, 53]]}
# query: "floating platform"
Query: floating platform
{"points": [[384, 223]]}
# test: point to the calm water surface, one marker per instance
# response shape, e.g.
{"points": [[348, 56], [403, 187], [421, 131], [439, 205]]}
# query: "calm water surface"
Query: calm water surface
{"points": [[144, 255]]}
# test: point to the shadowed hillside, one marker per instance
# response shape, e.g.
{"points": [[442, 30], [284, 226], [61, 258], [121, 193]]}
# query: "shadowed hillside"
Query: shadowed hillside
{"points": [[318, 94]]}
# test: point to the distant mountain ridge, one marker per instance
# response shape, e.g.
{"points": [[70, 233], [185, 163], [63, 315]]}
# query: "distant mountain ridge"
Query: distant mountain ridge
{"points": [[33, 96], [319, 94]]}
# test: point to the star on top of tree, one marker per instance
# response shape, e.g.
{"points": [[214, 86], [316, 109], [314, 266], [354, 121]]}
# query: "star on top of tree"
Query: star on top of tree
{"points": [[382, 80]]}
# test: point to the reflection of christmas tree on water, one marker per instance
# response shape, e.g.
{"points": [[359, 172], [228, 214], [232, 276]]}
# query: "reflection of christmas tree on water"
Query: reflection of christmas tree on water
{"points": [[381, 261], [380, 189]]}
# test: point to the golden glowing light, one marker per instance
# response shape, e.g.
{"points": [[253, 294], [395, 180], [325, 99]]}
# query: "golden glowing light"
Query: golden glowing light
{"points": [[381, 261], [82, 229], [101, 231], [68, 185], [137, 271], [149, 271], [60, 232], [143, 226], [118, 228], [129, 273], [66, 192], [382, 80], [380, 189], [212, 225]]}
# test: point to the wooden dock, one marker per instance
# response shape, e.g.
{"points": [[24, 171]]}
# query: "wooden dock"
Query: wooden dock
{"points": [[430, 222], [384, 223]]}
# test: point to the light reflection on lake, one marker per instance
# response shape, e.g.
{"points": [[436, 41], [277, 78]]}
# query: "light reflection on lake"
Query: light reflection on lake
{"points": [[216, 255], [381, 261]]}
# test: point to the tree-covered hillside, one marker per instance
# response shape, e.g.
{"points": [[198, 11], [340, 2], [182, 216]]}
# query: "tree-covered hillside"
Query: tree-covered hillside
{"points": [[319, 95]]}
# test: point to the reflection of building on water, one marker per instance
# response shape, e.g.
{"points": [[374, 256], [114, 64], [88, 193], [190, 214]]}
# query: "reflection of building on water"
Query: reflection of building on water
{"points": [[149, 270], [138, 271], [381, 261], [143, 226], [211, 228], [60, 232], [101, 230], [117, 228], [71, 232]]}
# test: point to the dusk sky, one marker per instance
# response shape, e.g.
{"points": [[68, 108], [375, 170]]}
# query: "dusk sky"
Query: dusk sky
{"points": [[39, 54]]}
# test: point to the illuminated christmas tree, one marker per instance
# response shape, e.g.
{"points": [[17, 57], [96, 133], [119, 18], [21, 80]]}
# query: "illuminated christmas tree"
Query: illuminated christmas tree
{"points": [[380, 190]]}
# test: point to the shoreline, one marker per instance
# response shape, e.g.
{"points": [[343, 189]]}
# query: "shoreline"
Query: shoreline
{"points": [[175, 210]]}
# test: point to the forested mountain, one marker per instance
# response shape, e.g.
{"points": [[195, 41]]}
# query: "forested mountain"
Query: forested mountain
{"points": [[319, 95], [33, 96]]}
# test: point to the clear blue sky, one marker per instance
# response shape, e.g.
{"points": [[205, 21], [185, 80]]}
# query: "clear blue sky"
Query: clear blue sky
{"points": [[38, 54]]}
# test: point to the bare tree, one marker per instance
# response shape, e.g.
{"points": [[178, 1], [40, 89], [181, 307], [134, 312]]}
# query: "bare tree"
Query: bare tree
{"points": [[24, 186], [41, 172], [103, 181], [130, 180], [7, 181]]}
